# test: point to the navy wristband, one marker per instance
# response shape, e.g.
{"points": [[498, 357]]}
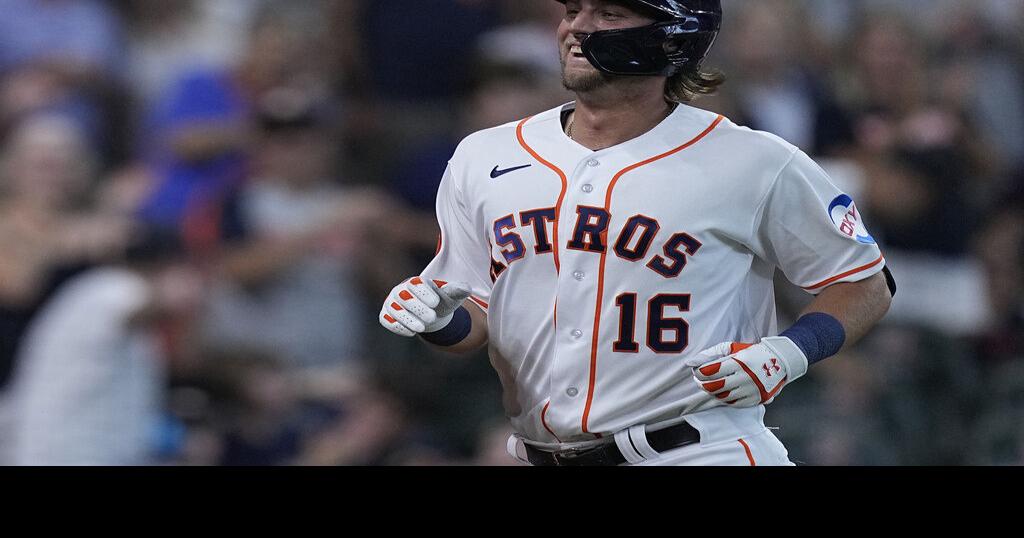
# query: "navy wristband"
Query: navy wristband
{"points": [[456, 331], [818, 335]]}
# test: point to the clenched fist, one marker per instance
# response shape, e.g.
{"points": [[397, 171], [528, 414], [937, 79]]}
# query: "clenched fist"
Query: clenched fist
{"points": [[745, 375], [421, 306]]}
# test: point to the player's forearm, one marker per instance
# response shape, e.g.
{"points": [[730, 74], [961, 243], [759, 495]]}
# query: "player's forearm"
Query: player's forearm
{"points": [[477, 337], [858, 306]]}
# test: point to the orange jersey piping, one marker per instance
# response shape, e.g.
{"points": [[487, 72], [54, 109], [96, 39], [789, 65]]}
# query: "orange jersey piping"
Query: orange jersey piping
{"points": [[604, 257], [846, 274], [746, 448]]}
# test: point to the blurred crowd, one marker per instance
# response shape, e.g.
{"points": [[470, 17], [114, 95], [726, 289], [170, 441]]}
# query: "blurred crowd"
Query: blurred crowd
{"points": [[203, 202]]}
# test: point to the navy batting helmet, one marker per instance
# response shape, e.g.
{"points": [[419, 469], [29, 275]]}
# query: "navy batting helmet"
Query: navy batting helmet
{"points": [[680, 40]]}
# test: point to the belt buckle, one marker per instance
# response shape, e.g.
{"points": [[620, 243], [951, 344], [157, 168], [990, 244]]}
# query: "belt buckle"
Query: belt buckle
{"points": [[568, 456]]}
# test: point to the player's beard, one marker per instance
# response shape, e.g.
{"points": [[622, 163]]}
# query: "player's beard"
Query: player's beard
{"points": [[584, 81]]}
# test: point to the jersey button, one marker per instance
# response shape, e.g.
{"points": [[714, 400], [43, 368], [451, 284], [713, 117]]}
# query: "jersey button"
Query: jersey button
{"points": [[593, 163], [578, 275], [588, 188], [572, 392], [577, 333]]}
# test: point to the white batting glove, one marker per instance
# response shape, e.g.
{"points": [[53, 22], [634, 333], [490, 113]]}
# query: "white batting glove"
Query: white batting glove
{"points": [[421, 305], [745, 375]]}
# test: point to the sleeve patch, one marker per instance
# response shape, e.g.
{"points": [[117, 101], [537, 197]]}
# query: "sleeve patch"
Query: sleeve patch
{"points": [[847, 219]]}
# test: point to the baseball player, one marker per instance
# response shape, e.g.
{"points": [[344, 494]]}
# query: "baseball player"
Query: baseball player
{"points": [[616, 255]]}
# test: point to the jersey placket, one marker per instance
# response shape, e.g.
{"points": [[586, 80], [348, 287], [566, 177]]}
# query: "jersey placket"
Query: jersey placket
{"points": [[590, 187], [577, 292]]}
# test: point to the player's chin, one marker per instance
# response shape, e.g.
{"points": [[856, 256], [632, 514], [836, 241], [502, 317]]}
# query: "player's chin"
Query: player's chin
{"points": [[581, 79]]}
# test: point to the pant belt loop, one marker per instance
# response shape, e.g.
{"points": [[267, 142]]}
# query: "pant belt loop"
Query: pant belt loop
{"points": [[638, 434], [626, 447], [512, 447]]}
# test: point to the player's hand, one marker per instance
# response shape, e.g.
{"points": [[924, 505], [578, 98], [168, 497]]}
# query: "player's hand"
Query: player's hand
{"points": [[421, 305], [746, 375]]}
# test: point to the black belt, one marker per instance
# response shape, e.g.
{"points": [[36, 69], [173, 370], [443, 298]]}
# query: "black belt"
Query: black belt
{"points": [[681, 434]]}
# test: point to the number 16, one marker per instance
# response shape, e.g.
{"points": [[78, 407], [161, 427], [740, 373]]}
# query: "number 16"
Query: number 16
{"points": [[657, 324]]}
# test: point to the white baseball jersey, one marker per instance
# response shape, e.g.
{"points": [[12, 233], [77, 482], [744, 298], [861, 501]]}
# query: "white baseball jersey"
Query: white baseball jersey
{"points": [[601, 272]]}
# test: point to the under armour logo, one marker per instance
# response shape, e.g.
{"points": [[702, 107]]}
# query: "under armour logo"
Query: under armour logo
{"points": [[768, 369]]}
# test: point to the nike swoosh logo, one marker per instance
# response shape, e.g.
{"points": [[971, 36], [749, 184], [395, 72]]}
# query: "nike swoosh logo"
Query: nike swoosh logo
{"points": [[495, 174]]}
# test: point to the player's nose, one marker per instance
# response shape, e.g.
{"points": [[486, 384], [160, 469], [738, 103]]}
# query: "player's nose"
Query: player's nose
{"points": [[580, 37], [582, 24]]}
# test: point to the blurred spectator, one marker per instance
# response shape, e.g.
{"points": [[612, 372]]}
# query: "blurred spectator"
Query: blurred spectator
{"points": [[89, 382], [1000, 247], [919, 201], [47, 227], [775, 88], [839, 421], [63, 56], [416, 61], [971, 50], [997, 435], [527, 39], [257, 408], [343, 43], [170, 37], [201, 130], [83, 33], [373, 430], [291, 274], [924, 170], [421, 51], [501, 92], [892, 91]]}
